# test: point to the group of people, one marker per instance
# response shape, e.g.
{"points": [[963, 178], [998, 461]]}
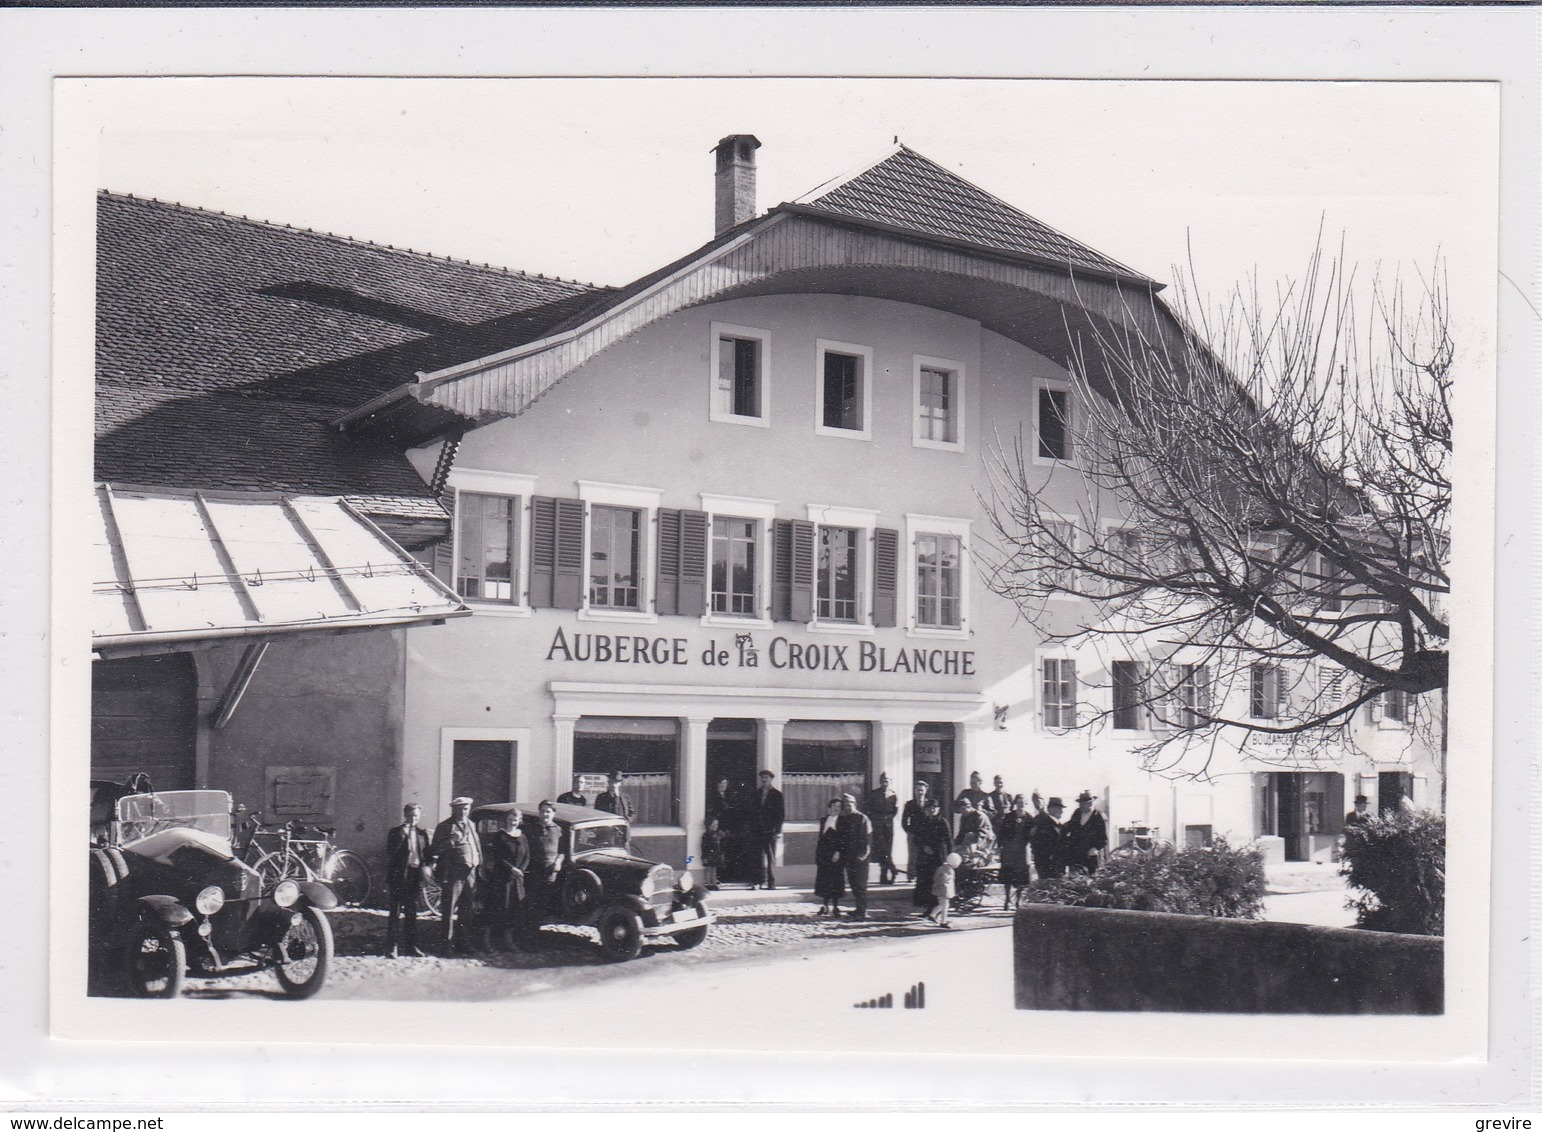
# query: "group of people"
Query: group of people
{"points": [[511, 874], [741, 831]]}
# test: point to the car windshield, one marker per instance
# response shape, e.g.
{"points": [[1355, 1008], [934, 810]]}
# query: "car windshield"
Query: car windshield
{"points": [[140, 815], [609, 835]]}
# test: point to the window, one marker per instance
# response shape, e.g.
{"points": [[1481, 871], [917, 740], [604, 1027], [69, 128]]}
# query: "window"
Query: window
{"points": [[835, 574], [739, 374], [645, 751], [1059, 547], [843, 389], [735, 578], [1129, 694], [822, 759], [938, 561], [1053, 426], [486, 544], [1058, 693], [615, 542], [1391, 707], [1192, 695], [939, 391], [1264, 691]]}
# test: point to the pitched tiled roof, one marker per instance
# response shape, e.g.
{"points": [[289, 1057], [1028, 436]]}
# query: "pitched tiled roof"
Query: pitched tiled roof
{"points": [[224, 346], [913, 193]]}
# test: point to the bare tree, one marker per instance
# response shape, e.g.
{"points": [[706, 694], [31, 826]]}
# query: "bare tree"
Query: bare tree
{"points": [[1257, 518]]}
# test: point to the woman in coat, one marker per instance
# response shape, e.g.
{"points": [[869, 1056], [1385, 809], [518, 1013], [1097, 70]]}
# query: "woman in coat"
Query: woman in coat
{"points": [[934, 841], [829, 883], [1012, 840]]}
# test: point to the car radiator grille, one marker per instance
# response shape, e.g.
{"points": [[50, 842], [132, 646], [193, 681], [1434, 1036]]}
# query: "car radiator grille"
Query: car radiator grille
{"points": [[663, 878]]}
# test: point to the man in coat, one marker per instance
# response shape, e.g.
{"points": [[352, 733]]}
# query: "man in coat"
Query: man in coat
{"points": [[1361, 813], [407, 857], [998, 803], [457, 854], [854, 845], [910, 821], [971, 795], [575, 796], [767, 814], [882, 806], [1086, 835], [613, 801], [1045, 839]]}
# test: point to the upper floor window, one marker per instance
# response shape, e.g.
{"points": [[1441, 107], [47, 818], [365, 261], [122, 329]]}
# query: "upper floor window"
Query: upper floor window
{"points": [[739, 374], [836, 574], [735, 577], [1391, 707], [1264, 691], [1057, 697], [487, 540], [844, 397], [938, 570], [939, 392], [1191, 694], [1052, 423], [1129, 695], [615, 546]]}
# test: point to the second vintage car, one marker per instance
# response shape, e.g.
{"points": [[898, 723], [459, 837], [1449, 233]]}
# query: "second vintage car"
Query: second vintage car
{"points": [[626, 898]]}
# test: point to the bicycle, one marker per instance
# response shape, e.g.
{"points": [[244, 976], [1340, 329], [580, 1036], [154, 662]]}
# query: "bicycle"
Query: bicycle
{"points": [[282, 853], [1141, 840]]}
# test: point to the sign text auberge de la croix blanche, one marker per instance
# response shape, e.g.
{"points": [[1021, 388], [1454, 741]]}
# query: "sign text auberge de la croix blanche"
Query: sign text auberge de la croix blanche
{"points": [[744, 652]]}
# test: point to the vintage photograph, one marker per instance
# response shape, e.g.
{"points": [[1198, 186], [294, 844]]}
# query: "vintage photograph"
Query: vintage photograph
{"points": [[934, 547]]}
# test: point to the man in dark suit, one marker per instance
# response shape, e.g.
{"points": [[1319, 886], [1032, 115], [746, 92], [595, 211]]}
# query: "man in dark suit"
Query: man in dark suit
{"points": [[406, 858], [457, 854], [854, 841], [575, 796], [768, 812], [911, 818], [882, 806], [1086, 836], [613, 801], [1046, 840], [998, 803]]}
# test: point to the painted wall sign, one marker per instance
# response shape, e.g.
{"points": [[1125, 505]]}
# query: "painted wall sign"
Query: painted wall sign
{"points": [[742, 652]]}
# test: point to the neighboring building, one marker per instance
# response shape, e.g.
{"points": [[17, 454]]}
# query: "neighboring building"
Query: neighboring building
{"points": [[720, 519]]}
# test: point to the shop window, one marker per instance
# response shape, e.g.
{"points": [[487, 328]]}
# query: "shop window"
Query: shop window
{"points": [[487, 534], [647, 754], [735, 574], [1264, 691], [1052, 423], [939, 393], [1129, 695], [738, 375], [1058, 693], [938, 581], [822, 760], [843, 389], [836, 574], [615, 542]]}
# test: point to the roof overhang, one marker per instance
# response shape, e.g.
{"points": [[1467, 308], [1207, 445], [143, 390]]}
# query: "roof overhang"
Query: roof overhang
{"points": [[175, 568]]}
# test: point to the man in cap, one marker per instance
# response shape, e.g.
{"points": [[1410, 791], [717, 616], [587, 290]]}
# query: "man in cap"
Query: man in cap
{"points": [[407, 856], [1086, 836], [457, 853], [1044, 838], [998, 803], [882, 806], [854, 844], [911, 818], [768, 812], [973, 794]]}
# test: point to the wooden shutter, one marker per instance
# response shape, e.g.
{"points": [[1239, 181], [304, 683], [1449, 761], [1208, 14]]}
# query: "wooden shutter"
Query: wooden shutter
{"points": [[693, 563], [543, 551], [667, 587], [885, 578], [443, 552], [801, 605], [568, 579], [781, 570]]}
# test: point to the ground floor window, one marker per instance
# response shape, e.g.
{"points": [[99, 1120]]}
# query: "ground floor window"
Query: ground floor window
{"points": [[822, 759], [645, 751]]}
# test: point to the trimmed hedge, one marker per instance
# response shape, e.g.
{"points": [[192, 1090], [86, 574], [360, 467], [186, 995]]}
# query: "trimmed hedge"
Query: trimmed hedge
{"points": [[1220, 881], [1399, 863]]}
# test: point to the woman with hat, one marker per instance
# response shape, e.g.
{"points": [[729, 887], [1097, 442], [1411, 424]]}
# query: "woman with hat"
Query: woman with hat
{"points": [[1012, 839], [829, 882], [1086, 836]]}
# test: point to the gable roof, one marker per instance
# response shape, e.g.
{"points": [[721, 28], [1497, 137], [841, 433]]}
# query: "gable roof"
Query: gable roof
{"points": [[906, 192], [226, 346]]}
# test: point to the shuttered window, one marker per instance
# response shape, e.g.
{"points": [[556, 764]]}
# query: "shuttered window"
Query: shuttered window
{"points": [[615, 546], [885, 577], [486, 538], [735, 581], [837, 573], [556, 553], [681, 586]]}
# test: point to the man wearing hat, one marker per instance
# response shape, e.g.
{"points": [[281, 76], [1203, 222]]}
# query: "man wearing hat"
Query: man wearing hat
{"points": [[1044, 838], [768, 812], [456, 853], [1086, 835], [854, 845], [613, 801], [1361, 813]]}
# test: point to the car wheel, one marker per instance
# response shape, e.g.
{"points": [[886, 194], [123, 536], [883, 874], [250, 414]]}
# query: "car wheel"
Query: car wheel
{"points": [[156, 962], [691, 938], [303, 953], [581, 893], [620, 933], [349, 876]]}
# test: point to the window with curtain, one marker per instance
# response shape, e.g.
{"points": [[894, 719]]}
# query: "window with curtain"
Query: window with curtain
{"points": [[823, 759]]}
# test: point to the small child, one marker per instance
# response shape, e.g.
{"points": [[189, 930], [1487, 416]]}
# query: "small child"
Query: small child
{"points": [[942, 889], [711, 852]]}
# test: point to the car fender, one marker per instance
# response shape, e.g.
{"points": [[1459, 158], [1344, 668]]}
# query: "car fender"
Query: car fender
{"points": [[628, 900], [167, 909], [317, 895]]}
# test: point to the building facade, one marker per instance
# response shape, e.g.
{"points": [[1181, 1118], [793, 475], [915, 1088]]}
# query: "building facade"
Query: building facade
{"points": [[731, 517]]}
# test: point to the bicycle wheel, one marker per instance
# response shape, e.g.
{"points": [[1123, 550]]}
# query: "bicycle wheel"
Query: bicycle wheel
{"points": [[428, 897], [348, 874], [276, 866]]}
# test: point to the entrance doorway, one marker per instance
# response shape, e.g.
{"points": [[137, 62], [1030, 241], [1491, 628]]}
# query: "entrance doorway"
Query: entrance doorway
{"points": [[932, 763], [1392, 787], [733, 753], [1305, 810]]}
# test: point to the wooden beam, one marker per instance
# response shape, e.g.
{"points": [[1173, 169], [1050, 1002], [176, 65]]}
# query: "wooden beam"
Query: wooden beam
{"points": [[240, 680]]}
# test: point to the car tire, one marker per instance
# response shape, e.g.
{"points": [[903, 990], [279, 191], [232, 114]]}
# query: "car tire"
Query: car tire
{"points": [[581, 893], [115, 855], [621, 933], [692, 937], [156, 961], [303, 953]]}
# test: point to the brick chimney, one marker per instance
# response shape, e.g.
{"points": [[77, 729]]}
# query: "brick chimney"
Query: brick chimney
{"points": [[735, 180]]}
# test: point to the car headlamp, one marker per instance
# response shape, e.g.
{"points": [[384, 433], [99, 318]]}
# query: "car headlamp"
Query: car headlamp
{"points": [[686, 881], [285, 893], [210, 900], [645, 890]]}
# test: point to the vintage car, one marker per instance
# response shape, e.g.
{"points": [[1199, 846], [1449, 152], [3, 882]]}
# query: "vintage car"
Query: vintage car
{"points": [[628, 899], [169, 899]]}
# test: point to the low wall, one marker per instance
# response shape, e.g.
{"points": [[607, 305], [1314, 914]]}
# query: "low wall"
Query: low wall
{"points": [[1102, 959]]}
